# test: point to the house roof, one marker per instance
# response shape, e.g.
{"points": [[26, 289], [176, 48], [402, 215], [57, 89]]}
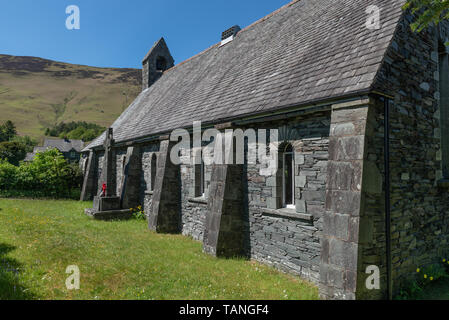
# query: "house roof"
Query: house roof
{"points": [[60, 144], [307, 51], [64, 145], [29, 157]]}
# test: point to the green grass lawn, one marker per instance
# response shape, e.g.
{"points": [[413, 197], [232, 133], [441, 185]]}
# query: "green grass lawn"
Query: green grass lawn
{"points": [[120, 260]]}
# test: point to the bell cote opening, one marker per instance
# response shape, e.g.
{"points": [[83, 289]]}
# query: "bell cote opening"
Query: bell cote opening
{"points": [[157, 60]]}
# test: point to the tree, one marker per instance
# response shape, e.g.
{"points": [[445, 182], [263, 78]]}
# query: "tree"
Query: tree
{"points": [[429, 12], [29, 143], [80, 130], [90, 134], [7, 131], [13, 152]]}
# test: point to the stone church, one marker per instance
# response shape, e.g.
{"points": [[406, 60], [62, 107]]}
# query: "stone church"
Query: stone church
{"points": [[362, 113]]}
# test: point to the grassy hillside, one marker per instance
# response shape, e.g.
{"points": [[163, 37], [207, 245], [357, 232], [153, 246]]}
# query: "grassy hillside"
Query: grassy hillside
{"points": [[36, 93]]}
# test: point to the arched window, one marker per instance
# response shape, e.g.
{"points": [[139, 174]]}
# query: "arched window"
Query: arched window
{"points": [[444, 106], [161, 64], [288, 175], [153, 170]]}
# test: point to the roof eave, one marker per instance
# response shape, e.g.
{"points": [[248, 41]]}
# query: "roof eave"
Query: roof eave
{"points": [[251, 118]]}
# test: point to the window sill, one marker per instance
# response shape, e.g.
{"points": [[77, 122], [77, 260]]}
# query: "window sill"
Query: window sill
{"points": [[443, 183], [149, 193], [201, 200], [287, 213]]}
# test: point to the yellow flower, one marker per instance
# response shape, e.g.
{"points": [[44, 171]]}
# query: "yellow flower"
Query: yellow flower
{"points": [[431, 278], [444, 260], [418, 270], [425, 276]]}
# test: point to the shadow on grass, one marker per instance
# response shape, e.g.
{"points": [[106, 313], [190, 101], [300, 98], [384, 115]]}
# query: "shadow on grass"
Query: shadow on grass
{"points": [[10, 287]]}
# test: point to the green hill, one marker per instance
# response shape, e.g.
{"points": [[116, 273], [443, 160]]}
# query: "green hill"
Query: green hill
{"points": [[36, 93]]}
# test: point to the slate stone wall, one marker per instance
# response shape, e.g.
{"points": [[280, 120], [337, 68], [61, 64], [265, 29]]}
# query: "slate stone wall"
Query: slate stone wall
{"points": [[419, 206], [193, 210], [289, 243]]}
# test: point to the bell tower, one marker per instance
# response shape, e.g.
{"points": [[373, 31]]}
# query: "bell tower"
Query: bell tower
{"points": [[157, 60]]}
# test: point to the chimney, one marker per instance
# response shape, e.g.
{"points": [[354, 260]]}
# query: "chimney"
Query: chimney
{"points": [[228, 35], [157, 60]]}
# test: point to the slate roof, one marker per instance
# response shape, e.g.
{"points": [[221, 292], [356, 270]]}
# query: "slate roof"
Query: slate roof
{"points": [[64, 145], [307, 51], [29, 157]]}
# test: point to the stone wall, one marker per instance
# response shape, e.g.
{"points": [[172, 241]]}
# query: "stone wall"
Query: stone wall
{"points": [[194, 209], [418, 202], [289, 241], [285, 240]]}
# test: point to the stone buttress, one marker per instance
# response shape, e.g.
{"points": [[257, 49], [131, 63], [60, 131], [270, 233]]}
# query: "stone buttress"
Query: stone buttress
{"points": [[165, 216], [342, 274], [130, 185], [89, 178], [223, 234]]}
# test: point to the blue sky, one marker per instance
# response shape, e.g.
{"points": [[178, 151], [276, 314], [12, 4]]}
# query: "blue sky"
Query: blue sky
{"points": [[118, 33]]}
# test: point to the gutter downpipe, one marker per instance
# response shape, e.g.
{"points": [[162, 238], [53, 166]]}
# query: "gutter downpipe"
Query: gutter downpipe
{"points": [[387, 197]]}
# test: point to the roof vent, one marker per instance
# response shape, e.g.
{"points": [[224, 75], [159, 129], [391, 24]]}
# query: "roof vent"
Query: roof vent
{"points": [[228, 35]]}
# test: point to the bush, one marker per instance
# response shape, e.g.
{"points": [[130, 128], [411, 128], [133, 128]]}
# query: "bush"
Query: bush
{"points": [[138, 213], [49, 175], [7, 131], [13, 148], [8, 175], [423, 278]]}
